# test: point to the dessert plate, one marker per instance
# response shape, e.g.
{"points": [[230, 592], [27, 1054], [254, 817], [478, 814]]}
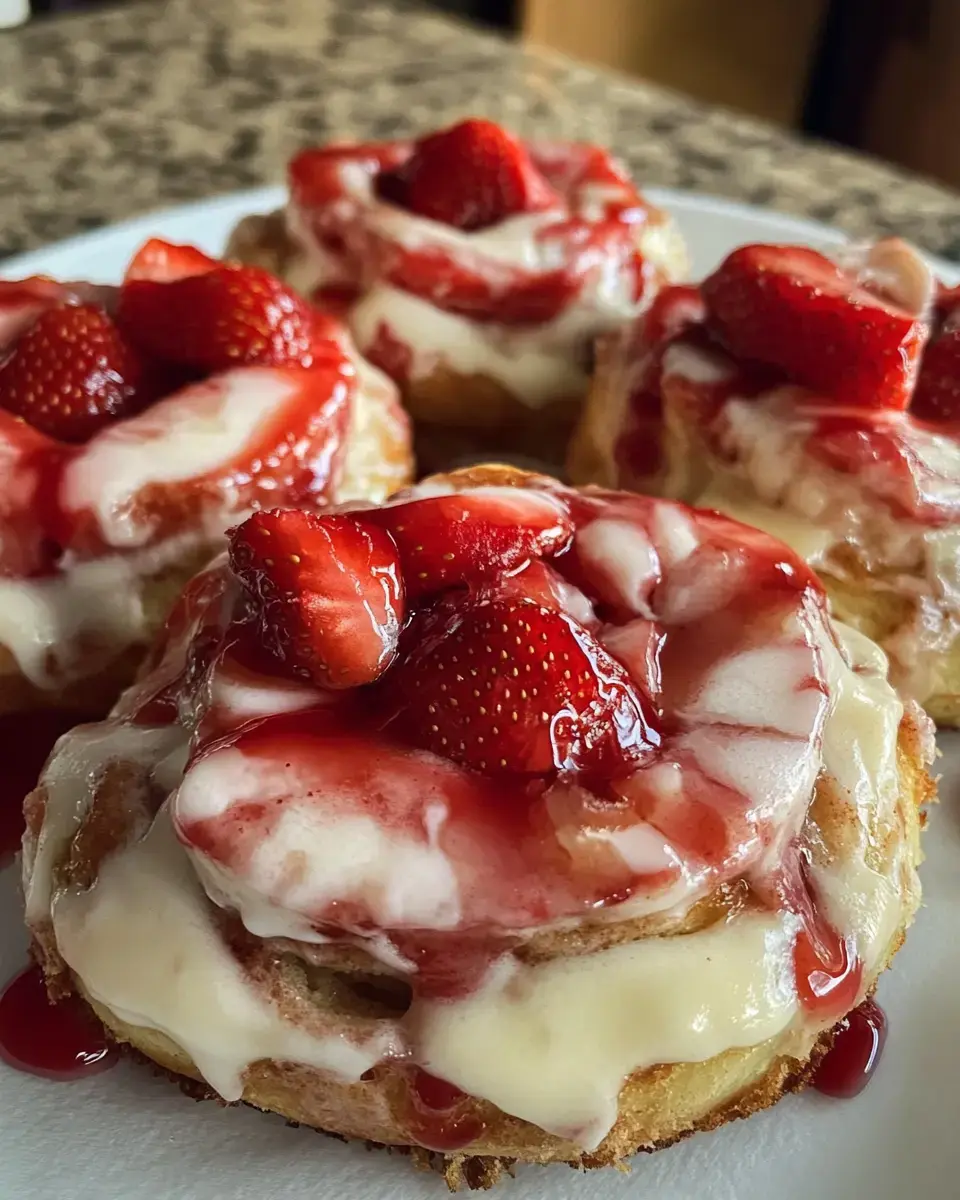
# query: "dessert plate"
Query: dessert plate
{"points": [[127, 1135]]}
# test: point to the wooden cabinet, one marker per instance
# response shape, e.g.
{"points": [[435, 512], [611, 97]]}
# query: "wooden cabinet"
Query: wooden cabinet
{"points": [[753, 55]]}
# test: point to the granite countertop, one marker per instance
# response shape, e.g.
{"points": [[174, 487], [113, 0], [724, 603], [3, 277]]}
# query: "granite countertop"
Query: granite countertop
{"points": [[110, 114]]}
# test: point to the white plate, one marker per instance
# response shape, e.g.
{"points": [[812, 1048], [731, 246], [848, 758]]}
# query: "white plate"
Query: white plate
{"points": [[126, 1135]]}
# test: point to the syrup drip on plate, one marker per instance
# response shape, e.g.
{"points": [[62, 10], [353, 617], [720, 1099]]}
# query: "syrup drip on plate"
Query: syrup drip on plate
{"points": [[26, 740], [57, 1041], [849, 1065], [439, 1116]]}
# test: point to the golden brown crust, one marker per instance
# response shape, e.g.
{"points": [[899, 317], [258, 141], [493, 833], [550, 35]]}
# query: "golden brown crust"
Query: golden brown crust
{"points": [[657, 1106]]}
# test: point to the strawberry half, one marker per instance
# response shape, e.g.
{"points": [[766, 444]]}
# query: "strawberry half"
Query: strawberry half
{"points": [[937, 394], [163, 262], [72, 372], [468, 537], [793, 308], [470, 176], [227, 317], [327, 593], [506, 684]]}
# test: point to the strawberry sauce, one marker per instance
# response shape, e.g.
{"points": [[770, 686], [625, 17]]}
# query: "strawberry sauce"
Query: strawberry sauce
{"points": [[26, 740], [472, 176], [850, 1063], [60, 1041], [439, 1115]]}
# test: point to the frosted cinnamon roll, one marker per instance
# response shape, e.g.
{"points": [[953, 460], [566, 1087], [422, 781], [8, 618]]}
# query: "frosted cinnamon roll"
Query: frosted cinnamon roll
{"points": [[136, 424], [818, 400], [502, 822], [475, 269]]}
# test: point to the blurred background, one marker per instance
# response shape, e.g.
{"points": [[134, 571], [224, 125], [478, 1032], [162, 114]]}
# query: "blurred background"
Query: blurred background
{"points": [[878, 75]]}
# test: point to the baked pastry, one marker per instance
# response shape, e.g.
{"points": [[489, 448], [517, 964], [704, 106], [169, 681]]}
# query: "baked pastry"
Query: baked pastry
{"points": [[505, 822], [819, 401], [136, 424], [475, 269]]}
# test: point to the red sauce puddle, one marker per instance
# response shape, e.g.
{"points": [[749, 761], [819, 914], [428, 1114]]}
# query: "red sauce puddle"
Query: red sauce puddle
{"points": [[57, 1041], [26, 740], [849, 1065], [438, 1116]]}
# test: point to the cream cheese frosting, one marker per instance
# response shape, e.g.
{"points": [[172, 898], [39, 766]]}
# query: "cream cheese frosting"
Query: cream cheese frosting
{"points": [[550, 1040]]}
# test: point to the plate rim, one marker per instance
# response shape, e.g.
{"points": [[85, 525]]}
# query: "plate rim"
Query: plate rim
{"points": [[263, 197]]}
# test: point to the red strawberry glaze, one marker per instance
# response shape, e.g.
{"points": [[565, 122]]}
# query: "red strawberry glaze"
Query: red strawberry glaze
{"points": [[438, 1115], [496, 854], [348, 200], [855, 1054], [57, 1041], [902, 458], [155, 489]]}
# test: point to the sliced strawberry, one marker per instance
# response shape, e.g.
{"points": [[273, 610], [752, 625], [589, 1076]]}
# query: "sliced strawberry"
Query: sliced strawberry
{"points": [[23, 300], [469, 537], [937, 394], [793, 308], [73, 372], [163, 262], [253, 438], [30, 463], [470, 176], [220, 319], [673, 311], [506, 684], [326, 590]]}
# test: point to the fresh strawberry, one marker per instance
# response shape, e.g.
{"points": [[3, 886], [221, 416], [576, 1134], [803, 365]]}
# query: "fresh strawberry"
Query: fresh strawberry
{"points": [[72, 372], [23, 300], [504, 684], [937, 394], [163, 262], [792, 308], [672, 312], [468, 537], [264, 436], [228, 317], [326, 590], [470, 176]]}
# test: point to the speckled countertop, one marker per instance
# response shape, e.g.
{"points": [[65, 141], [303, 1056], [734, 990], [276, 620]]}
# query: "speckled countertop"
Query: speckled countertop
{"points": [[106, 115]]}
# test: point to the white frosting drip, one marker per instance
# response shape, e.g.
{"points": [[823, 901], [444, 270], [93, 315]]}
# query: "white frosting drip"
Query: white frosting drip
{"points": [[553, 1043], [767, 479], [145, 945], [182, 438], [61, 627]]}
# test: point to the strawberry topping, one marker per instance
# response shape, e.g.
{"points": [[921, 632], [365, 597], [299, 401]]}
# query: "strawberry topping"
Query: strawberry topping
{"points": [[225, 317], [72, 372], [470, 176], [163, 262], [463, 538], [326, 592], [506, 685], [937, 396], [793, 308]]}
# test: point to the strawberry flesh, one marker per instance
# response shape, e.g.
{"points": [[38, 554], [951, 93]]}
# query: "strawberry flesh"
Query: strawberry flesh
{"points": [[937, 394], [227, 317], [792, 308], [72, 372], [470, 176], [508, 685], [163, 262], [467, 537], [326, 593]]}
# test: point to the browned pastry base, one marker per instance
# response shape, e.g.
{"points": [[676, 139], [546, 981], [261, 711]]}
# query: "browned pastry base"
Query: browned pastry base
{"points": [[323, 985]]}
